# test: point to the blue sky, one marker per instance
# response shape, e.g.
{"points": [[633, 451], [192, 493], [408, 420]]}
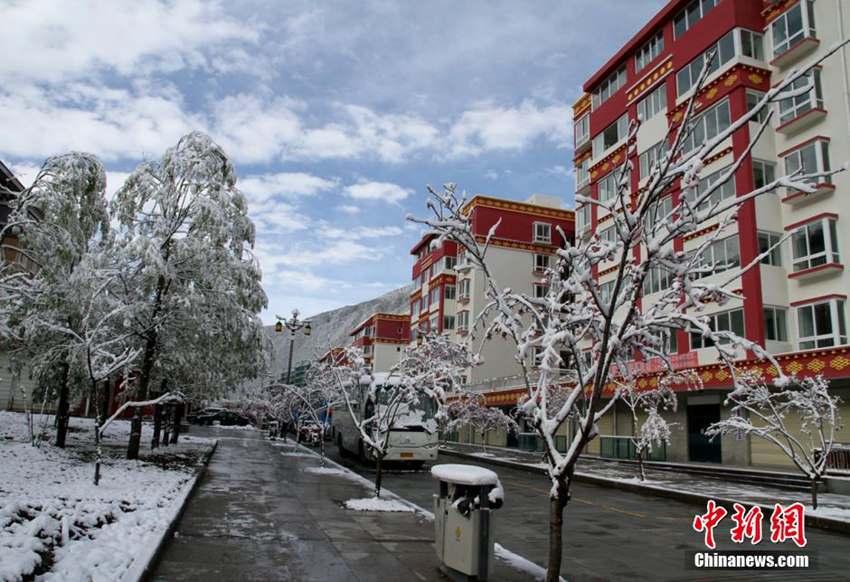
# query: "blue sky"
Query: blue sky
{"points": [[336, 114]]}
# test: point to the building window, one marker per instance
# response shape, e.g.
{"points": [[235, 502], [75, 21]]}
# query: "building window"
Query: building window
{"points": [[542, 232], [812, 158], [583, 174], [433, 324], [671, 341], [449, 292], [463, 291], [651, 157], [775, 326], [720, 256], [708, 125], [794, 107], [541, 291], [658, 212], [608, 87], [582, 130], [815, 244], [435, 296], [414, 333], [421, 304], [463, 321], [763, 173], [793, 26], [657, 280], [611, 135], [691, 15], [770, 240], [654, 103], [605, 291], [724, 191], [541, 262], [607, 187], [609, 235], [753, 99], [728, 321], [724, 52], [649, 51], [368, 350], [448, 322], [821, 325], [582, 217], [752, 45]]}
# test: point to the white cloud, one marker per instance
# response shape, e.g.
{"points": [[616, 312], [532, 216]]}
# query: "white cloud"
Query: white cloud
{"points": [[275, 217], [54, 40], [360, 232], [273, 256], [348, 209], [288, 184], [561, 171], [489, 127], [377, 191]]}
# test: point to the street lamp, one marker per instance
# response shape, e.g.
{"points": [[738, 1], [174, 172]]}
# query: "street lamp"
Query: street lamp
{"points": [[292, 324]]}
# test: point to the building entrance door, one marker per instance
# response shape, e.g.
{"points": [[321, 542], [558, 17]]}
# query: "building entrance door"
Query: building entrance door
{"points": [[700, 449]]}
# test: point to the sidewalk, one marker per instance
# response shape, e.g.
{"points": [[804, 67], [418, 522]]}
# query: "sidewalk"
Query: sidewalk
{"points": [[262, 513], [833, 511]]}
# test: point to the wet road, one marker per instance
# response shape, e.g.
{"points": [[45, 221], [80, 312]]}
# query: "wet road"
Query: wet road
{"points": [[611, 534]]}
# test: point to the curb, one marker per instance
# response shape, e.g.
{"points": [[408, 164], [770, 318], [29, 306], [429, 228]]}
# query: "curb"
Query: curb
{"points": [[817, 521], [142, 573]]}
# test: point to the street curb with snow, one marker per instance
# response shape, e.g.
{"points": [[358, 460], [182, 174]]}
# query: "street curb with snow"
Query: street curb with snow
{"points": [[144, 564], [817, 521]]}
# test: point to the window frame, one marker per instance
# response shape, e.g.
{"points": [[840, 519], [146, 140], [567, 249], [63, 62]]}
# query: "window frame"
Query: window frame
{"points": [[830, 254], [462, 321], [449, 291], [538, 238], [780, 315], [583, 220], [698, 342], [703, 6], [464, 289], [836, 322], [695, 66], [649, 51], [448, 323], [721, 266], [807, 28], [621, 125], [608, 87], [651, 156], [691, 141], [774, 257], [536, 262], [540, 290], [795, 159], [582, 173], [582, 130], [654, 103], [801, 104]]}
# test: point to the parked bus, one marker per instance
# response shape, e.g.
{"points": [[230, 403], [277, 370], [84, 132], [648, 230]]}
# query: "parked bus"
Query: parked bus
{"points": [[413, 435]]}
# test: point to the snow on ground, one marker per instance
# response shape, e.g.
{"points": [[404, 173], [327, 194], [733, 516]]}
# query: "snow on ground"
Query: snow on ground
{"points": [[297, 454], [56, 525], [520, 563], [236, 427], [377, 504], [325, 471]]}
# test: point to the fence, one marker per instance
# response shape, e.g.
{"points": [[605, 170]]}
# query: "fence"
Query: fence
{"points": [[621, 447]]}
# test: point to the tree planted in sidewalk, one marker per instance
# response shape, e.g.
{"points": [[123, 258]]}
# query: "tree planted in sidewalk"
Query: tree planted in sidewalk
{"points": [[595, 328], [771, 413], [470, 411], [191, 282]]}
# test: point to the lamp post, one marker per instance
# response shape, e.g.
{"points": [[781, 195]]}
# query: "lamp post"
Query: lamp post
{"points": [[293, 324]]}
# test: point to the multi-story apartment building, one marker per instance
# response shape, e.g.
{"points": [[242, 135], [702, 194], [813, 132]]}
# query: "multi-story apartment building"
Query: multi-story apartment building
{"points": [[794, 302], [16, 382], [449, 292], [383, 336]]}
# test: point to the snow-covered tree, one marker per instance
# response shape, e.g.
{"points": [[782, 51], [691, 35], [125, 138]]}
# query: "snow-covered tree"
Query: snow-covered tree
{"points": [[601, 330], [62, 226], [763, 411], [416, 383], [316, 400], [653, 429], [192, 284], [470, 411]]}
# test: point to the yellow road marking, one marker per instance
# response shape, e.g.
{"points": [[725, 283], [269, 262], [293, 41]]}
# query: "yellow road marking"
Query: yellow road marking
{"points": [[594, 503]]}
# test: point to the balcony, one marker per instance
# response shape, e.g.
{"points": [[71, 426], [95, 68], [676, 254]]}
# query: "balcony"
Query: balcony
{"points": [[801, 122], [796, 198], [799, 50], [817, 272]]}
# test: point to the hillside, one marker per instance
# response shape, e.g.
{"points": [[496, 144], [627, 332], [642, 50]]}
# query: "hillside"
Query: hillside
{"points": [[331, 328]]}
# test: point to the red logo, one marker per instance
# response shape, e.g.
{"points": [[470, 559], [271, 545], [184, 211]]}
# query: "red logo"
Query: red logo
{"points": [[786, 523]]}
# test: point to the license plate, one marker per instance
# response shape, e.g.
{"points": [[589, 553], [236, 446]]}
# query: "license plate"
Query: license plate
{"points": [[407, 455]]}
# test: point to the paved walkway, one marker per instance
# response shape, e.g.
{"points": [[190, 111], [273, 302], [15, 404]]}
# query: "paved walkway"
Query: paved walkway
{"points": [[257, 515]]}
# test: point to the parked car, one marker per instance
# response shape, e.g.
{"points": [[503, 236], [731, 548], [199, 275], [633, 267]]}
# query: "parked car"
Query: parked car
{"points": [[309, 432], [192, 417], [224, 418]]}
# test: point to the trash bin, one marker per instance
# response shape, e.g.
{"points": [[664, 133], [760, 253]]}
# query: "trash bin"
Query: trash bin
{"points": [[462, 519], [273, 429]]}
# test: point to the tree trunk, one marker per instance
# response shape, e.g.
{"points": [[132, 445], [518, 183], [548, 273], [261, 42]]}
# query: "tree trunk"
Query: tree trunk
{"points": [[178, 417], [814, 492], [556, 529], [167, 424], [62, 411], [135, 434], [157, 425], [97, 424], [378, 477], [641, 469], [322, 448]]}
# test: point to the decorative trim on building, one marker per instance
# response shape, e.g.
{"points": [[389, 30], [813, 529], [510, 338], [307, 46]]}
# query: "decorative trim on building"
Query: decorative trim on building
{"points": [[610, 161], [718, 155], [775, 10], [757, 78], [519, 207], [818, 299], [701, 232], [582, 156], [513, 244], [445, 278], [581, 106], [613, 269], [648, 81]]}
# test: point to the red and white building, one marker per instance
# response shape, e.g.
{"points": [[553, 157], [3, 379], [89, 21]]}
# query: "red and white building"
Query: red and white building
{"points": [[795, 302], [383, 337], [449, 292]]}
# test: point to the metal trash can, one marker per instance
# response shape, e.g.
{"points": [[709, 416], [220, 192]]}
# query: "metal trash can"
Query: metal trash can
{"points": [[462, 519]]}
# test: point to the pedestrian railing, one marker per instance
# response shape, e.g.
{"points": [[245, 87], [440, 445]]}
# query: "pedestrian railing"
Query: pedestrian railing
{"points": [[622, 447]]}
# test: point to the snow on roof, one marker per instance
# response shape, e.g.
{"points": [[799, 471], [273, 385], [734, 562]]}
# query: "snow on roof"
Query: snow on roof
{"points": [[464, 474]]}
